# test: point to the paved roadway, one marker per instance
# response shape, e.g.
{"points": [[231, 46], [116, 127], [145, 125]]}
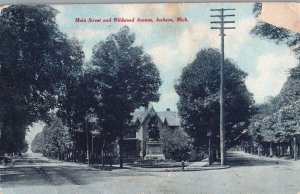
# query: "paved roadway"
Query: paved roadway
{"points": [[34, 174]]}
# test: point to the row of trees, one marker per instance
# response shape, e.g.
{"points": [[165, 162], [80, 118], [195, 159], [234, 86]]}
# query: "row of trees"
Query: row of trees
{"points": [[54, 140], [35, 60], [275, 128], [42, 71]]}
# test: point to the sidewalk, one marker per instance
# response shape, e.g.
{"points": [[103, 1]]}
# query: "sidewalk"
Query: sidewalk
{"points": [[189, 166], [195, 166], [203, 165]]}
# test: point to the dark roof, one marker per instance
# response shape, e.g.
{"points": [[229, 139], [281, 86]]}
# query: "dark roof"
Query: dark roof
{"points": [[137, 114], [171, 117], [141, 114]]}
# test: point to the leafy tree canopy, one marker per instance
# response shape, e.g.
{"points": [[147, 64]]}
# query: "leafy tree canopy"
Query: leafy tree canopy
{"points": [[54, 138], [198, 89], [177, 143], [276, 120], [127, 78], [35, 58]]}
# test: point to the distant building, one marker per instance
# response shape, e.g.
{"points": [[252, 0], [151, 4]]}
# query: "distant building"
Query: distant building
{"points": [[135, 141]]}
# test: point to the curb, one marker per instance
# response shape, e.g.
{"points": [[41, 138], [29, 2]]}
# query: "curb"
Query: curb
{"points": [[207, 168], [179, 169]]}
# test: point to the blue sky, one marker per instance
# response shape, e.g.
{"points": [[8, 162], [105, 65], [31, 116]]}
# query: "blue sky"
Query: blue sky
{"points": [[173, 45]]}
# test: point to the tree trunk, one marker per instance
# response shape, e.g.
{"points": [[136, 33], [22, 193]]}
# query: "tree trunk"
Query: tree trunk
{"points": [[252, 149], [259, 151], [218, 153], [271, 149], [265, 151], [209, 152], [295, 149], [121, 152], [214, 155], [102, 155]]}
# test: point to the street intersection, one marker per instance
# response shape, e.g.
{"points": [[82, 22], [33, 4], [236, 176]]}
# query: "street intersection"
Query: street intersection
{"points": [[248, 174]]}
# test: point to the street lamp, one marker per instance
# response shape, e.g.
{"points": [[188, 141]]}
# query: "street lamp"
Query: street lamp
{"points": [[209, 134], [94, 133], [89, 118]]}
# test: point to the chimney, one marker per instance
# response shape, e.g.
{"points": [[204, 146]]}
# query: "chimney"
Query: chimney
{"points": [[168, 109]]}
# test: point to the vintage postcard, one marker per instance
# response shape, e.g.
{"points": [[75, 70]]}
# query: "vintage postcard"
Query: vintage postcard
{"points": [[146, 98]]}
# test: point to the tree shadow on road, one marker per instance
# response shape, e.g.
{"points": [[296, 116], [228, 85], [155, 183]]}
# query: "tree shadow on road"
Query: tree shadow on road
{"points": [[60, 175], [241, 159]]}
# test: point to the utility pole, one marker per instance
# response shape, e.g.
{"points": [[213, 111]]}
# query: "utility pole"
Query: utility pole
{"points": [[94, 133], [87, 140], [92, 155], [222, 28]]}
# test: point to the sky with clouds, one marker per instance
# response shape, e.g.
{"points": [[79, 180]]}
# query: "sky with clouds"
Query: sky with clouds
{"points": [[173, 45]]}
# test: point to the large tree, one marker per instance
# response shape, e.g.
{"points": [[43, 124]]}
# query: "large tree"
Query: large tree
{"points": [[198, 89], [129, 80], [35, 57]]}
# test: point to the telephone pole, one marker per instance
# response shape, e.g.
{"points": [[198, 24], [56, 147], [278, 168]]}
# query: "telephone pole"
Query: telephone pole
{"points": [[87, 140], [222, 28]]}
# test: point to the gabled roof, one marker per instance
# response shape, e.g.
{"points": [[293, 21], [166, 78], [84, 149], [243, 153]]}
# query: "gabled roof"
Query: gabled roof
{"points": [[169, 117], [136, 115], [141, 114]]}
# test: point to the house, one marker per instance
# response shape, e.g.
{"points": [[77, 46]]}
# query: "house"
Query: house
{"points": [[136, 140]]}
